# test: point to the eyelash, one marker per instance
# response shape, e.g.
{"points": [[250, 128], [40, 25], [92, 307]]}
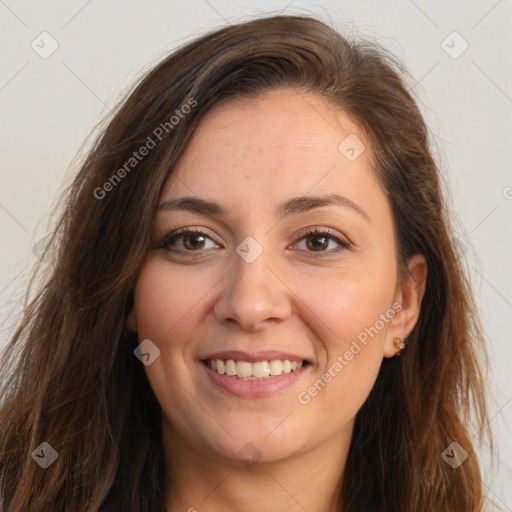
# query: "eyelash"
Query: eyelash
{"points": [[171, 237]]}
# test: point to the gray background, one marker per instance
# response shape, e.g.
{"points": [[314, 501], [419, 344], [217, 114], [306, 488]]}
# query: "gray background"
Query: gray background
{"points": [[49, 106]]}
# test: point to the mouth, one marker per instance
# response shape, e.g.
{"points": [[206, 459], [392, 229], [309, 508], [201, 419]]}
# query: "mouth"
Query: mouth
{"points": [[248, 370], [254, 379]]}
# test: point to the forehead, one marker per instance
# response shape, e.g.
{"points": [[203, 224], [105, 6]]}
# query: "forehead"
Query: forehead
{"points": [[282, 143]]}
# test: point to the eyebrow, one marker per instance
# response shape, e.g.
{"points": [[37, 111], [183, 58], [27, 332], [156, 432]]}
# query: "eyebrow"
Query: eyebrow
{"points": [[292, 206]]}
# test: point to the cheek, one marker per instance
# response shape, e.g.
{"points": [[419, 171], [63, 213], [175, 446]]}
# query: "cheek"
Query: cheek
{"points": [[167, 303], [350, 314], [349, 304], [164, 301]]}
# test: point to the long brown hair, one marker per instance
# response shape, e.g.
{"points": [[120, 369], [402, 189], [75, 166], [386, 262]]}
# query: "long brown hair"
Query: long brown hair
{"points": [[69, 376]]}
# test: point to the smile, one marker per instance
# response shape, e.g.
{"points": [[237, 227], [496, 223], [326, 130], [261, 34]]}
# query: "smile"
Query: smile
{"points": [[256, 379], [252, 371]]}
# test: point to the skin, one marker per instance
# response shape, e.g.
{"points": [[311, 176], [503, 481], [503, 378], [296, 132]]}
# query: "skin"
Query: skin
{"points": [[250, 156]]}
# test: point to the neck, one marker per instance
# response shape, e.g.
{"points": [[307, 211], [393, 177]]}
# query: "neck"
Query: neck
{"points": [[207, 482]]}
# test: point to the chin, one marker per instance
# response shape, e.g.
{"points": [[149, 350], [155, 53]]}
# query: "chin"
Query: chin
{"points": [[252, 447]]}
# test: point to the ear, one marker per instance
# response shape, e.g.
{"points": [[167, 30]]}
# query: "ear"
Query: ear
{"points": [[409, 294], [131, 321]]}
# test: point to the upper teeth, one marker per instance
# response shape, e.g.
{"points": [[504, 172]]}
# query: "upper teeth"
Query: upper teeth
{"points": [[245, 369]]}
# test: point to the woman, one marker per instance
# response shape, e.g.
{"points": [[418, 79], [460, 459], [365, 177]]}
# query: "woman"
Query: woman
{"points": [[255, 300]]}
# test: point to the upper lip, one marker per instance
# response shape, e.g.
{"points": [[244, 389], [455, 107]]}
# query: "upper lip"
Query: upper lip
{"points": [[253, 357]]}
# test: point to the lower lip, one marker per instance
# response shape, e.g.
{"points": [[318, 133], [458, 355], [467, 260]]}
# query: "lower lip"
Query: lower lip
{"points": [[254, 388]]}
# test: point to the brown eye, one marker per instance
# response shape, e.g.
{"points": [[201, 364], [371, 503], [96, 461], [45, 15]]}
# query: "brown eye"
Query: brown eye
{"points": [[316, 242], [193, 242], [186, 241], [319, 241]]}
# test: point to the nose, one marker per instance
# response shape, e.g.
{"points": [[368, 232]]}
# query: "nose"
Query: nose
{"points": [[253, 295]]}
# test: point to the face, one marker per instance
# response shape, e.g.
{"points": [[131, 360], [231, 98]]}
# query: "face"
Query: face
{"points": [[267, 276]]}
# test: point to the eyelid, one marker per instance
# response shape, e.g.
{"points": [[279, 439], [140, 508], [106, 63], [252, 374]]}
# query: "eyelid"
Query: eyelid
{"points": [[319, 230], [344, 244], [178, 232]]}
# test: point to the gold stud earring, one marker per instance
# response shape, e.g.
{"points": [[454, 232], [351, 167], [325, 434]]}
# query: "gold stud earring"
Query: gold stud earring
{"points": [[399, 344]]}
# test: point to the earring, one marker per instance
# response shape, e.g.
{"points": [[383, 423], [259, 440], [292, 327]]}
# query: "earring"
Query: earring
{"points": [[399, 344]]}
